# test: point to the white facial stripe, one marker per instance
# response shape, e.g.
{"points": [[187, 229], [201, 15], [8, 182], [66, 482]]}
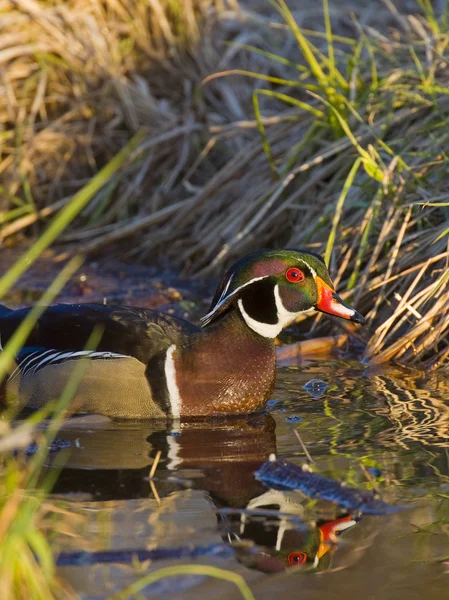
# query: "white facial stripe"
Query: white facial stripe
{"points": [[268, 330], [207, 318], [285, 317], [308, 266], [283, 527], [286, 505], [223, 293], [172, 386]]}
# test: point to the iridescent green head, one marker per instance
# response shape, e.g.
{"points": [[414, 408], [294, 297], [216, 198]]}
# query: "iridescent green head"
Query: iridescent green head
{"points": [[272, 287]]}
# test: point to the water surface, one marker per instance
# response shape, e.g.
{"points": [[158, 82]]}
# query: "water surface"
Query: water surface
{"points": [[386, 429]]}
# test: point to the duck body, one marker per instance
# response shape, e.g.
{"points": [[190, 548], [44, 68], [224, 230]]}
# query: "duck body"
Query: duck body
{"points": [[148, 365], [114, 381]]}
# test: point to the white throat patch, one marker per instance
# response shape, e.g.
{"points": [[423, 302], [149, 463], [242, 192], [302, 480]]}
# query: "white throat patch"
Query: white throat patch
{"points": [[271, 330]]}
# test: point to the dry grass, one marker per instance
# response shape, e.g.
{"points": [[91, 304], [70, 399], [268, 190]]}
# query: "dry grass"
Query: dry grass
{"points": [[331, 142]]}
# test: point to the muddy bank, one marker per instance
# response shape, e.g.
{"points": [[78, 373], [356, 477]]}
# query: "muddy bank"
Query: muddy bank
{"points": [[112, 281]]}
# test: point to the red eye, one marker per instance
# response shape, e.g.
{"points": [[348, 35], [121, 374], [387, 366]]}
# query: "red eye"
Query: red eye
{"points": [[297, 558], [294, 275]]}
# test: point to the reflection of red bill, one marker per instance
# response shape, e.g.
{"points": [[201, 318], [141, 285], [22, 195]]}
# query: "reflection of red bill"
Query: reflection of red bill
{"points": [[330, 302], [329, 532]]}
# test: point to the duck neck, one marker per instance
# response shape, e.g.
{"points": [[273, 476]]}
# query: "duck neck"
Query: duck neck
{"points": [[225, 369]]}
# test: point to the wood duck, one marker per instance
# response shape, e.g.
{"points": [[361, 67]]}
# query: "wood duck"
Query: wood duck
{"points": [[149, 365], [282, 542]]}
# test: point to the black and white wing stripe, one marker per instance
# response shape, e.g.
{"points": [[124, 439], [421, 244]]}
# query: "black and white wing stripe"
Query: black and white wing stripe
{"points": [[37, 360]]}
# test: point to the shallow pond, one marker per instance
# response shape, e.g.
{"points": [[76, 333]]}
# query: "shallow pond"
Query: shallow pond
{"points": [[383, 429]]}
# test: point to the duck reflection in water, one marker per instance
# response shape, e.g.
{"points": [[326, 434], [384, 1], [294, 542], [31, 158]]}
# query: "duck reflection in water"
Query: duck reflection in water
{"points": [[267, 528], [283, 539]]}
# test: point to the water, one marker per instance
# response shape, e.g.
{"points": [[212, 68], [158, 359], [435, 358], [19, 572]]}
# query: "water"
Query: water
{"points": [[387, 429]]}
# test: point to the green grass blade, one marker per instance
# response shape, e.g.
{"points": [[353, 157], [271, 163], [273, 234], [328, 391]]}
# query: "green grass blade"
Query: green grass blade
{"points": [[42, 551], [371, 166], [269, 55], [265, 143], [345, 126], [68, 213], [59, 414], [326, 83], [308, 139], [294, 102], [21, 333], [15, 213], [429, 13], [287, 100], [335, 37], [363, 248], [16, 200], [261, 76], [442, 235], [442, 282], [339, 209], [302, 42], [138, 586], [330, 43]]}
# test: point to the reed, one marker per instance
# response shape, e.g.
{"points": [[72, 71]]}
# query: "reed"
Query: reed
{"points": [[266, 126], [27, 568]]}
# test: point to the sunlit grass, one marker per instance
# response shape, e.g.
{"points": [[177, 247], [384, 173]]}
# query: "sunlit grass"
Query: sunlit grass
{"points": [[26, 561], [253, 124], [385, 102], [27, 567]]}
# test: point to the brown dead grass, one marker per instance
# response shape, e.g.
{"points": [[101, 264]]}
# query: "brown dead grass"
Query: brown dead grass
{"points": [[80, 77]]}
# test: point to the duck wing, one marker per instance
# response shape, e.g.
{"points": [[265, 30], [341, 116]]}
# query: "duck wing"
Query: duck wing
{"points": [[137, 332]]}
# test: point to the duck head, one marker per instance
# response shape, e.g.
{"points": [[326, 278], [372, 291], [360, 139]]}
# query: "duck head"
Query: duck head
{"points": [[271, 288]]}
